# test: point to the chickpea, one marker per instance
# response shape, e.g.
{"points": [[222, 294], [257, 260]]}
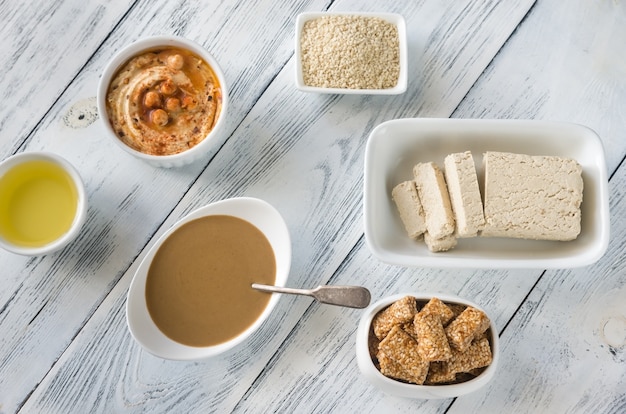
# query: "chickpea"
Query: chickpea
{"points": [[189, 103], [175, 62], [168, 87], [172, 104], [152, 99], [159, 117]]}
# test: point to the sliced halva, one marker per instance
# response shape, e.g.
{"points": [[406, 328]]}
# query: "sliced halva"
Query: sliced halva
{"points": [[433, 193], [532, 197], [410, 208], [465, 198]]}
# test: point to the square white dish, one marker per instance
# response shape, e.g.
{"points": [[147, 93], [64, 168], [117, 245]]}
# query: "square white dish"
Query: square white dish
{"points": [[393, 18], [393, 148]]}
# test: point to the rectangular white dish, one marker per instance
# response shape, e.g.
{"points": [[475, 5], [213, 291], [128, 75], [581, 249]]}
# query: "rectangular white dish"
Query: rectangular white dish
{"points": [[395, 146]]}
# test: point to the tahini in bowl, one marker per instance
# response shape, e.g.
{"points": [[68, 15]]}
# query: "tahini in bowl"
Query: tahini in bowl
{"points": [[192, 286]]}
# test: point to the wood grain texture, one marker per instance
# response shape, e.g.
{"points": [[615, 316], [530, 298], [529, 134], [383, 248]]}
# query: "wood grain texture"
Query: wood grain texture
{"points": [[45, 45], [311, 170], [566, 347], [561, 65], [321, 346], [128, 199], [64, 345]]}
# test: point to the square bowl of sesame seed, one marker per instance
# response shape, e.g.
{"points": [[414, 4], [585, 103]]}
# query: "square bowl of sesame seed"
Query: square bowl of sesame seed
{"points": [[351, 53]]}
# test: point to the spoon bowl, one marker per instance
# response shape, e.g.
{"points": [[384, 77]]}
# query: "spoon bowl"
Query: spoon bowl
{"points": [[143, 329]]}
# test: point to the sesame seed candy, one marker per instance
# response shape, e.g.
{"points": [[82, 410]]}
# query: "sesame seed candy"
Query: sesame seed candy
{"points": [[391, 369], [466, 327], [399, 312], [432, 343], [440, 373], [409, 328], [437, 307], [402, 348], [478, 355]]}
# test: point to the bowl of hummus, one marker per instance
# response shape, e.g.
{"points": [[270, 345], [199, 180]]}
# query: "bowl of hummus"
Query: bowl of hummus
{"points": [[163, 99]]}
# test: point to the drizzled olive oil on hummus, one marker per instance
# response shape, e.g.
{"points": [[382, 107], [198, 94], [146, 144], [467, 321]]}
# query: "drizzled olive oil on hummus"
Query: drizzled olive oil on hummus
{"points": [[164, 101], [198, 289]]}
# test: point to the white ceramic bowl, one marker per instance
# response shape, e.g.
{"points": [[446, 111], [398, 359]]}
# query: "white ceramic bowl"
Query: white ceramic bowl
{"points": [[401, 389], [257, 212], [393, 18], [395, 146], [167, 161], [81, 209]]}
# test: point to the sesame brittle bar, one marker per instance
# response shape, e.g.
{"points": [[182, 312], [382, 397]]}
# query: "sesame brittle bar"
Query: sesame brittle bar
{"points": [[432, 343], [399, 312], [477, 356], [437, 307], [466, 327], [402, 349]]}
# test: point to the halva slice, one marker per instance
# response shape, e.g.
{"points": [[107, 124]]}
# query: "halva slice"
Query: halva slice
{"points": [[440, 245], [532, 197], [410, 208], [465, 197], [433, 193]]}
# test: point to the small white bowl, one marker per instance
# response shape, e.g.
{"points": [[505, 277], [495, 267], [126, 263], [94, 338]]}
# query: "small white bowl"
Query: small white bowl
{"points": [[166, 161], [394, 147], [81, 208], [401, 389], [257, 212], [393, 18]]}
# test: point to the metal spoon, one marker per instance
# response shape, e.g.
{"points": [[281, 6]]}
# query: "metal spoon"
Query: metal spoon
{"points": [[349, 296]]}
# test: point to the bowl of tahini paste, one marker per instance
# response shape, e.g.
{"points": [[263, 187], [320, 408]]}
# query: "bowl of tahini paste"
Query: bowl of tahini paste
{"points": [[191, 297]]}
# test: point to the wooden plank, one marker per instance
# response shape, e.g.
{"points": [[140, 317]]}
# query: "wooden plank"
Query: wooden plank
{"points": [[564, 351], [45, 45], [563, 64], [565, 347], [302, 153], [315, 369], [47, 300]]}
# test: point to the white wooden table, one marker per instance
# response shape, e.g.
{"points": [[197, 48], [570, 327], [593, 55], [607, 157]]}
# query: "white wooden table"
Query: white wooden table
{"points": [[64, 345]]}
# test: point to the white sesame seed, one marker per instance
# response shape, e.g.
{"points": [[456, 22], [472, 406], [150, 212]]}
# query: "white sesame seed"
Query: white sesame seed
{"points": [[350, 52]]}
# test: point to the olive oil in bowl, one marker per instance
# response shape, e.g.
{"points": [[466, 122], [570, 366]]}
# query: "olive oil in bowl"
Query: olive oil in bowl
{"points": [[40, 203]]}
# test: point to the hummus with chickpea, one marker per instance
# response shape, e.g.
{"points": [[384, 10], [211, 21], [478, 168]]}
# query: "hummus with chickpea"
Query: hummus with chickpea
{"points": [[164, 101]]}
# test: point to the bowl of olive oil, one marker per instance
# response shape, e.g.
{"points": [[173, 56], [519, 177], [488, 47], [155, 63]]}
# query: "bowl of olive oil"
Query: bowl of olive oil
{"points": [[42, 203]]}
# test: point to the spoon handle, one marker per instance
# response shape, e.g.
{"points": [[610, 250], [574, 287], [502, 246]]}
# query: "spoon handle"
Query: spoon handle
{"points": [[349, 296], [280, 289]]}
